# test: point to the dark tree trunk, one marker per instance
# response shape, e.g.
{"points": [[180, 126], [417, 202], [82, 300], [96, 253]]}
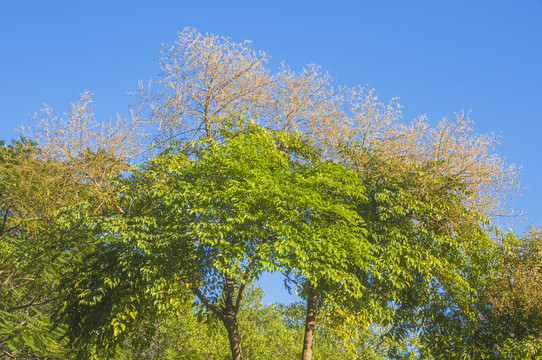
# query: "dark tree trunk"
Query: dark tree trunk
{"points": [[230, 322], [310, 323], [228, 313], [229, 318]]}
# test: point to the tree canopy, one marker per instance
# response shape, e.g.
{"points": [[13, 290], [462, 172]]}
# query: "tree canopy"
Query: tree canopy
{"points": [[214, 215], [382, 227]]}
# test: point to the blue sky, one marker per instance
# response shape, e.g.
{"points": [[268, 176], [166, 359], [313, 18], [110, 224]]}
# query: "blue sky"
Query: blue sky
{"points": [[439, 57]]}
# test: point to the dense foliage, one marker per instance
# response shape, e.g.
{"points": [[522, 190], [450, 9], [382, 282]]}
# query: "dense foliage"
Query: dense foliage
{"points": [[113, 249]]}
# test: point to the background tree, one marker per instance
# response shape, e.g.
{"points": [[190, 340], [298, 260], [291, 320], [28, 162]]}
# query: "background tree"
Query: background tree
{"points": [[506, 321], [40, 200], [92, 151], [46, 189], [31, 259], [206, 79]]}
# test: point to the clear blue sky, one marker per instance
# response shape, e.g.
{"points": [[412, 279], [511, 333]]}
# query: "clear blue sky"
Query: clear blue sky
{"points": [[439, 57]]}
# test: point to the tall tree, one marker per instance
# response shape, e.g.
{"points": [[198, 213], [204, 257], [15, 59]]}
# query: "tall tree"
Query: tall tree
{"points": [[35, 195], [419, 230], [30, 193], [213, 216], [46, 188], [206, 80]]}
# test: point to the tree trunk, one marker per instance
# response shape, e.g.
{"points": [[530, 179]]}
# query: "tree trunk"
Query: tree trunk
{"points": [[310, 323], [229, 317], [230, 322]]}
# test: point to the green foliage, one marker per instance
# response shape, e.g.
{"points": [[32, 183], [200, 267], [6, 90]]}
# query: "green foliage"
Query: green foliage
{"points": [[381, 255], [506, 321], [421, 237], [29, 257], [33, 248], [42, 207], [397, 258], [209, 213], [113, 287], [271, 332]]}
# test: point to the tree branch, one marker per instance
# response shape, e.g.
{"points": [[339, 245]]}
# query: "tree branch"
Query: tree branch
{"points": [[208, 304], [4, 222], [6, 281], [34, 304], [242, 287]]}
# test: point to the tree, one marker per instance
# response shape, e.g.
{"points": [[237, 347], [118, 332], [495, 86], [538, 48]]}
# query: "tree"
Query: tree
{"points": [[515, 284], [35, 194], [93, 152], [213, 216], [27, 271], [206, 80], [185, 334], [506, 321], [46, 188], [419, 242]]}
